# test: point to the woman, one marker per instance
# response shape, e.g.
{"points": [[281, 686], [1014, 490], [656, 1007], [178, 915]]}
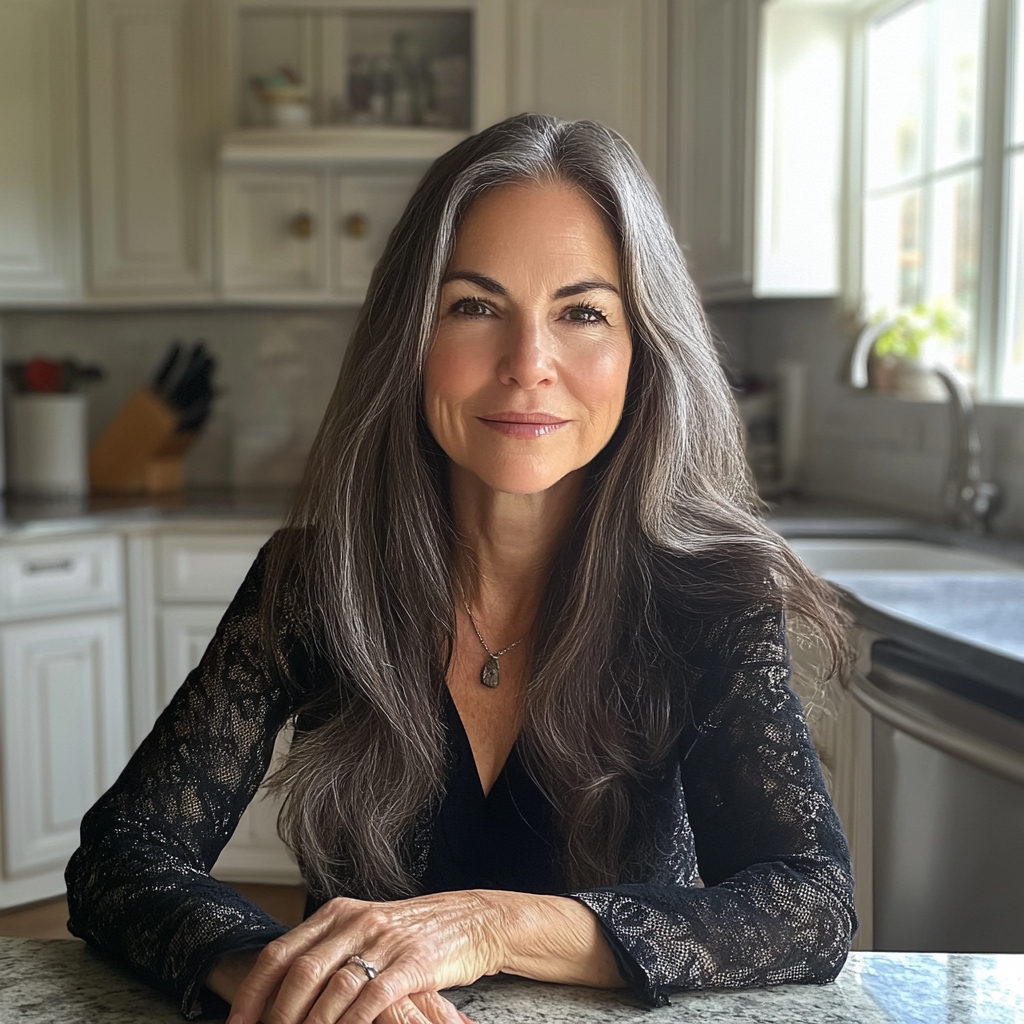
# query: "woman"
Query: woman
{"points": [[528, 626]]}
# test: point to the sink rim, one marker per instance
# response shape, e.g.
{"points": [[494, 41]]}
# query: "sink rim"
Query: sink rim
{"points": [[843, 551], [1000, 670]]}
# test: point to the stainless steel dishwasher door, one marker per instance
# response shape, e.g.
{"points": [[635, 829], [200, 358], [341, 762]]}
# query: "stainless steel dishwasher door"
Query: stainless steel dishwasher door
{"points": [[948, 819]]}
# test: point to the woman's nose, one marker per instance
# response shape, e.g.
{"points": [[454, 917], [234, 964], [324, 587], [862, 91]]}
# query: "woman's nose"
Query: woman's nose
{"points": [[528, 358]]}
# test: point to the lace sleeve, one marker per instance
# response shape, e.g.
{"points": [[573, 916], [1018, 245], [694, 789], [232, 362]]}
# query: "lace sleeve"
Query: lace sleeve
{"points": [[139, 887], [778, 901]]}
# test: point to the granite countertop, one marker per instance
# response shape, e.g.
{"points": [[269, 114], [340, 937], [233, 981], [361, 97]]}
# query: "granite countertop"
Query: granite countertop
{"points": [[27, 517], [57, 981]]}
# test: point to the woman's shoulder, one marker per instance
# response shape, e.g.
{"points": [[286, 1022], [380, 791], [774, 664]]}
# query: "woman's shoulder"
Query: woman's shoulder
{"points": [[712, 613]]}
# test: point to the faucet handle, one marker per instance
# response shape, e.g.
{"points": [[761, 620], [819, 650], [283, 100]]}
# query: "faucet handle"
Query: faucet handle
{"points": [[988, 499], [977, 503]]}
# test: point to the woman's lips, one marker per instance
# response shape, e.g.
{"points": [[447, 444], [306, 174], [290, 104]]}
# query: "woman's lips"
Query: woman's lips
{"points": [[523, 424]]}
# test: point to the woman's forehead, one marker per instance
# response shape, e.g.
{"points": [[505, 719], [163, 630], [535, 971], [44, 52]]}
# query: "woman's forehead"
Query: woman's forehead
{"points": [[549, 221]]}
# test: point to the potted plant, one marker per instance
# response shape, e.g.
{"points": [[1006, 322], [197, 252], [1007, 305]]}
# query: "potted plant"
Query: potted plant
{"points": [[900, 363]]}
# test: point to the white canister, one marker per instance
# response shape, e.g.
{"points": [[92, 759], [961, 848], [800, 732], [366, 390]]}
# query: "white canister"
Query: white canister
{"points": [[48, 445]]}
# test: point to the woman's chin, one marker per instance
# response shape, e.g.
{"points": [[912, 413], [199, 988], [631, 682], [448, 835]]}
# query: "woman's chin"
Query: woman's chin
{"points": [[522, 482]]}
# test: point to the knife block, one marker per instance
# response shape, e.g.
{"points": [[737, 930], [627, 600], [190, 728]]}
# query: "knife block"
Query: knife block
{"points": [[141, 452]]}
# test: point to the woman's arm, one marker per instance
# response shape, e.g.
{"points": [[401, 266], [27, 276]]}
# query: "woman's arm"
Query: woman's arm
{"points": [[777, 904], [139, 886]]}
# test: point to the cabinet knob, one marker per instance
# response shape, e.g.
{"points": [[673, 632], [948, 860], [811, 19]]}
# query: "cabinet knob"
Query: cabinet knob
{"points": [[302, 225], [355, 225]]}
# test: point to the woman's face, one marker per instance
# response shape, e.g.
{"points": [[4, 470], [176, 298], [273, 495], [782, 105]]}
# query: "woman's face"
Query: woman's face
{"points": [[526, 378]]}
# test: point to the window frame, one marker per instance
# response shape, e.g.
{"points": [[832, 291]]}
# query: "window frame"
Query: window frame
{"points": [[994, 260]]}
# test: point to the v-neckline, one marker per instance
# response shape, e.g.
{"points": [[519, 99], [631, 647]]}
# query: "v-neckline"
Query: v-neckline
{"points": [[466, 750]]}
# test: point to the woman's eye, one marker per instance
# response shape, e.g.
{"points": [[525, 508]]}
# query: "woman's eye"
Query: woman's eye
{"points": [[471, 307], [585, 315]]}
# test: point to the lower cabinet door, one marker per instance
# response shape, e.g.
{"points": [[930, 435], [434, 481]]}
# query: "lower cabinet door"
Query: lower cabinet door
{"points": [[255, 852], [64, 714]]}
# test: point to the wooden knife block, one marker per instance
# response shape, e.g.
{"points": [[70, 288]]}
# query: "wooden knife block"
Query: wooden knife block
{"points": [[141, 451]]}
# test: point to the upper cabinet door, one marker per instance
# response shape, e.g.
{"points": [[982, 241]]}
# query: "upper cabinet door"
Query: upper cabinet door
{"points": [[722, 86], [272, 234], [150, 147], [761, 93], [366, 207], [599, 59], [38, 151]]}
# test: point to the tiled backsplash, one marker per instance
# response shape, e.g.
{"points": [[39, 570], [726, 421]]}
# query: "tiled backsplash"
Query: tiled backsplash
{"points": [[276, 370], [863, 446]]}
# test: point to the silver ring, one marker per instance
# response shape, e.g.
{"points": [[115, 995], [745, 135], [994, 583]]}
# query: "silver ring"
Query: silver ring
{"points": [[370, 970]]}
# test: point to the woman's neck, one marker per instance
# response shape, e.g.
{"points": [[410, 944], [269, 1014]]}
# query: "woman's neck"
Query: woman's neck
{"points": [[509, 542]]}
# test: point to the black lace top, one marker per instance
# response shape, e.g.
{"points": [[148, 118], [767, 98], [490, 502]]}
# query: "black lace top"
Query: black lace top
{"points": [[744, 807]]}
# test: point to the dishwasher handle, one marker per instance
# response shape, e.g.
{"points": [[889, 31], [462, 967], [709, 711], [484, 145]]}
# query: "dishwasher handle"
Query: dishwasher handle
{"points": [[966, 746]]}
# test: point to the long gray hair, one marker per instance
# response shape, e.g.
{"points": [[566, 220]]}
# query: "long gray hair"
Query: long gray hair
{"points": [[368, 559]]}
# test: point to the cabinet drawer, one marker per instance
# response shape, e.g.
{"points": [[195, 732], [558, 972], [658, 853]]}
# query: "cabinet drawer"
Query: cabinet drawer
{"points": [[205, 568], [53, 577]]}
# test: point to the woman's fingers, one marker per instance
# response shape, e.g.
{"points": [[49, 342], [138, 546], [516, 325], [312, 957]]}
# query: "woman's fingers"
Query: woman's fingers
{"points": [[418, 945], [405, 1011], [296, 966], [336, 997], [437, 1009]]}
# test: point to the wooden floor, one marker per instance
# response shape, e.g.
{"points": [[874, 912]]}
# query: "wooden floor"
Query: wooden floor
{"points": [[49, 920]]}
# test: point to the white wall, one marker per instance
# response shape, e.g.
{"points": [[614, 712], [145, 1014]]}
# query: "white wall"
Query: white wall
{"points": [[864, 446]]}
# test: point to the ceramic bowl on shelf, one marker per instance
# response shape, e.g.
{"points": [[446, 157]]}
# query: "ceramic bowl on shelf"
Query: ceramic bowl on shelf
{"points": [[288, 108]]}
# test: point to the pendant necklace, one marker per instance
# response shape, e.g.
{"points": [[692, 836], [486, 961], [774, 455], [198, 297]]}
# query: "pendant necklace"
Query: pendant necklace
{"points": [[489, 674]]}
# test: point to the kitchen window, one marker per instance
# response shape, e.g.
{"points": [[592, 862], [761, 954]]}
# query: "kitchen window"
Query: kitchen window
{"points": [[938, 172]]}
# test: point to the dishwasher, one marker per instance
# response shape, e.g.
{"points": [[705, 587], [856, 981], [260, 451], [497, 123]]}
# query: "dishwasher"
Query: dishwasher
{"points": [[947, 806]]}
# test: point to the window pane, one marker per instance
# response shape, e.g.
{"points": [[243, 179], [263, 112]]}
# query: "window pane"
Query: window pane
{"points": [[896, 91], [1011, 383], [893, 253], [958, 81], [953, 263]]}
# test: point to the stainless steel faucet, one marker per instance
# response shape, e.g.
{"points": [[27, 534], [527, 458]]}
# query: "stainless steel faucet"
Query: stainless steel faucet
{"points": [[969, 500]]}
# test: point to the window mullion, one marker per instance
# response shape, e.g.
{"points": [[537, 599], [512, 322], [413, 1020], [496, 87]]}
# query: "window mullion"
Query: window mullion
{"points": [[924, 281], [994, 196]]}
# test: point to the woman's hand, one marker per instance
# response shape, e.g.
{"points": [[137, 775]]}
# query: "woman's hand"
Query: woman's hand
{"points": [[418, 946]]}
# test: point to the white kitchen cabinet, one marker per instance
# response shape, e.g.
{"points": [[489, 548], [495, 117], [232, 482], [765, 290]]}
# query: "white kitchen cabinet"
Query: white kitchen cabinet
{"points": [[319, 41], [64, 702], [599, 59], [273, 234], [65, 732], [150, 148], [39, 210], [255, 852], [720, 87], [309, 234], [60, 577], [365, 209], [761, 91], [197, 572], [185, 633]]}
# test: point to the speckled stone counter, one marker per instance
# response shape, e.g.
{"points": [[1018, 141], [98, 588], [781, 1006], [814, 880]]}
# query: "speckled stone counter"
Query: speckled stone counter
{"points": [[62, 982], [26, 517]]}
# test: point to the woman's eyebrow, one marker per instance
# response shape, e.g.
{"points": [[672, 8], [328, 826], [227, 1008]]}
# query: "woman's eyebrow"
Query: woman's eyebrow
{"points": [[480, 280], [584, 286]]}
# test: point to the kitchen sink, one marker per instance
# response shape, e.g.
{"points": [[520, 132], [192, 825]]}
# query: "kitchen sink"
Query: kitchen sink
{"points": [[837, 556]]}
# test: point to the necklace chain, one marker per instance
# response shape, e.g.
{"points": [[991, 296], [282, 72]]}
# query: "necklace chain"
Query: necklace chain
{"points": [[489, 675], [483, 642]]}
